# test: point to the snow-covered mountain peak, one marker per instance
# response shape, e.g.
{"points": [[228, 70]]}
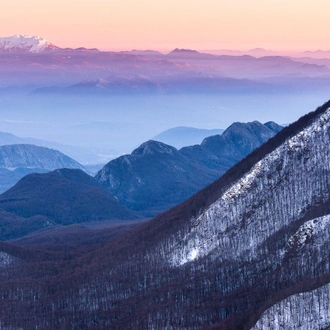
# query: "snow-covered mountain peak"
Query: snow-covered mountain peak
{"points": [[31, 44]]}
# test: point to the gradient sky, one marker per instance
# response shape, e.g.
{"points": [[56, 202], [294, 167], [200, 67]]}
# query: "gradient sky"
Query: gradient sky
{"points": [[166, 24]]}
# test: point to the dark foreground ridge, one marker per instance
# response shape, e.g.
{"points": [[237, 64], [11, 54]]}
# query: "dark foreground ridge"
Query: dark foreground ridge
{"points": [[61, 197]]}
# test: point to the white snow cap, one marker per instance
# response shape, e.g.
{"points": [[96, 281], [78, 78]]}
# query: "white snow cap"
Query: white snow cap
{"points": [[23, 42]]}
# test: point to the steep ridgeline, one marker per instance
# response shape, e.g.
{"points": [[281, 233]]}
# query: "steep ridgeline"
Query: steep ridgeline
{"points": [[18, 160], [255, 237], [62, 197], [157, 176]]}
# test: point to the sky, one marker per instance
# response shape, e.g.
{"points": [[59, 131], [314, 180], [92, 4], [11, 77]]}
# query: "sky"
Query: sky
{"points": [[288, 25]]}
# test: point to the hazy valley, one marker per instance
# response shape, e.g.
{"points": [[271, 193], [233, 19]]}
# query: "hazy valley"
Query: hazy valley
{"points": [[122, 99]]}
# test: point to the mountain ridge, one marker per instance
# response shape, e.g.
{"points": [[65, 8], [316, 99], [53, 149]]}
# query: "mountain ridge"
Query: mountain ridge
{"points": [[156, 176]]}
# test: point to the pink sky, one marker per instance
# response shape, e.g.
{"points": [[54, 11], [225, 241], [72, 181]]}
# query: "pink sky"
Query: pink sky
{"points": [[167, 24]]}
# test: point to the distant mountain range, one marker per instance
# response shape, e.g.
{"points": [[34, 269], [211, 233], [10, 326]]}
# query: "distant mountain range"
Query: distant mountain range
{"points": [[62, 86], [261, 52], [89, 70], [18, 160], [36, 44], [179, 137], [156, 176], [89, 156], [152, 179]]}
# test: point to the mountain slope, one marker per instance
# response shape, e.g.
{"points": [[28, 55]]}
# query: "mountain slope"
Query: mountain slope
{"points": [[240, 226], [231, 248], [220, 260], [157, 176], [306, 310], [64, 196]]}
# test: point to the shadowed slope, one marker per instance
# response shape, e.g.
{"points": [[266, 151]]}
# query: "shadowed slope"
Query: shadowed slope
{"points": [[64, 196]]}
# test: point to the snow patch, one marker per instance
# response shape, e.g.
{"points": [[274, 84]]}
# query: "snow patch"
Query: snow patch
{"points": [[192, 255], [23, 42], [307, 231], [5, 259], [305, 311]]}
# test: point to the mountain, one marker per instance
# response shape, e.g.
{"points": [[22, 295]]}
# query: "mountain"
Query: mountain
{"points": [[273, 126], [256, 52], [182, 136], [250, 251], [18, 160], [156, 176], [151, 179], [115, 84], [8, 138], [32, 44], [44, 71], [147, 53], [257, 236], [62, 197], [137, 84], [316, 54], [31, 156], [184, 51], [83, 154], [178, 53], [261, 52]]}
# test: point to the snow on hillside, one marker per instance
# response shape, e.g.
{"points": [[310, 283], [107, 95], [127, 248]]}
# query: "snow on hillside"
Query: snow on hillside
{"points": [[5, 259], [304, 311], [27, 43], [308, 231], [255, 207]]}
